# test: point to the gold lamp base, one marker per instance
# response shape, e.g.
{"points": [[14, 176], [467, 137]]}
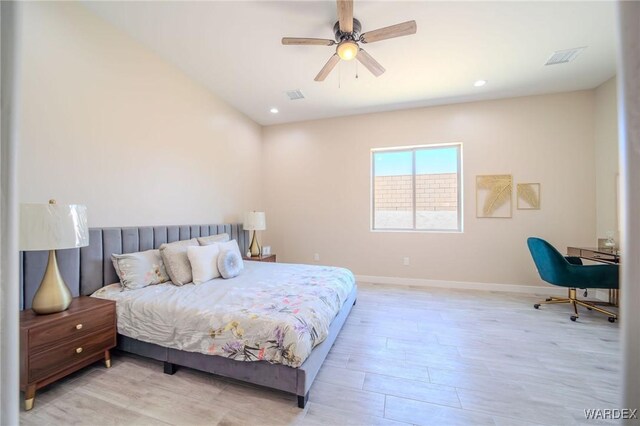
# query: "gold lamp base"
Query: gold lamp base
{"points": [[254, 247], [53, 295]]}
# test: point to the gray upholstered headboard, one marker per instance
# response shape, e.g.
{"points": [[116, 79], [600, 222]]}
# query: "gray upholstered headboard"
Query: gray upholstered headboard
{"points": [[87, 269]]}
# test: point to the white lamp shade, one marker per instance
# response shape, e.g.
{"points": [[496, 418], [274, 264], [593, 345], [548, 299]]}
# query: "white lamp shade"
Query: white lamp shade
{"points": [[255, 221], [53, 226]]}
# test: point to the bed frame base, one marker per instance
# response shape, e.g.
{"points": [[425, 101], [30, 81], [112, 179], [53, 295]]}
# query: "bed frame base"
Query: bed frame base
{"points": [[170, 368], [302, 400], [296, 381]]}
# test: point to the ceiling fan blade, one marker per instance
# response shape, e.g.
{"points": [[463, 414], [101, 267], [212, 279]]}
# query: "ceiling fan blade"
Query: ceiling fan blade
{"points": [[345, 15], [328, 67], [370, 63], [294, 41], [398, 30]]}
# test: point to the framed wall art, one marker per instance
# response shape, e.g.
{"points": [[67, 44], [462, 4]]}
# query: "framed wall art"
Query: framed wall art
{"points": [[528, 196], [493, 196]]}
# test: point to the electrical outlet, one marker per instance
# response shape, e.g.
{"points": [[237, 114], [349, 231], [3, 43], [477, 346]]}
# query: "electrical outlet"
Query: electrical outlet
{"points": [[405, 261], [316, 257]]}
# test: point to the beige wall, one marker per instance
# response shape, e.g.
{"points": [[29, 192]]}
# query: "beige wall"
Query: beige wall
{"points": [[107, 123], [547, 139], [606, 148]]}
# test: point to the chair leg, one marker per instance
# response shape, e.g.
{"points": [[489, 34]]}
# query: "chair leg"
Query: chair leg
{"points": [[573, 297], [589, 305], [574, 301], [551, 300]]}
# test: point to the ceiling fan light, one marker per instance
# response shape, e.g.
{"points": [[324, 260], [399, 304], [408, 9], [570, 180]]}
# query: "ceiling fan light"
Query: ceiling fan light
{"points": [[347, 50]]}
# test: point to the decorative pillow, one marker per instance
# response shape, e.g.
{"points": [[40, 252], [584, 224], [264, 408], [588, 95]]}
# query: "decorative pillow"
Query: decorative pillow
{"points": [[138, 270], [212, 239], [230, 245], [204, 262], [230, 263], [176, 261]]}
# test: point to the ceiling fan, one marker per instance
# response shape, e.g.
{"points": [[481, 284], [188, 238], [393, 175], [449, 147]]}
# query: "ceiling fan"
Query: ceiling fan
{"points": [[347, 37]]}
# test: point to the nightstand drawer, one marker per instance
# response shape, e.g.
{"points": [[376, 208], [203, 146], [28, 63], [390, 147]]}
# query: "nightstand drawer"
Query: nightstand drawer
{"points": [[56, 359], [73, 327]]}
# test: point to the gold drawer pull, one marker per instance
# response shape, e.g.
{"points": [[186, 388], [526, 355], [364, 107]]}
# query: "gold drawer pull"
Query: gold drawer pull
{"points": [[78, 350], [79, 327]]}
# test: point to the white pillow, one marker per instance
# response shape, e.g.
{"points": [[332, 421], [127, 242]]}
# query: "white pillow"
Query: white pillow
{"points": [[212, 239], [204, 262], [230, 263]]}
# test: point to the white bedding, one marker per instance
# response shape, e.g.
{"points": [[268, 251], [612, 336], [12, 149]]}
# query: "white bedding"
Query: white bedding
{"points": [[272, 311]]}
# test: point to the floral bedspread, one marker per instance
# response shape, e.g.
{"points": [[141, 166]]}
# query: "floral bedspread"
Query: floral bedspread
{"points": [[272, 311]]}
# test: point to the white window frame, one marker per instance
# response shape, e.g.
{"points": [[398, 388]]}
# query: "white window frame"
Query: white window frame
{"points": [[413, 149]]}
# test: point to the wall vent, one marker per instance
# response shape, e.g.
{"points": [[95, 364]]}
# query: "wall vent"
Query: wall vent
{"points": [[564, 56], [295, 94]]}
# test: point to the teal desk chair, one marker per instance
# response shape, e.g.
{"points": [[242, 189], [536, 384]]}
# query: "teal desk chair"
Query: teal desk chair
{"points": [[569, 272]]}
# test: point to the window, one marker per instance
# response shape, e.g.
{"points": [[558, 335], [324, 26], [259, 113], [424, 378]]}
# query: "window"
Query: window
{"points": [[417, 188]]}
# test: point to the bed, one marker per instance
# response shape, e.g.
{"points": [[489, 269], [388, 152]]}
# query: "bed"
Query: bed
{"points": [[272, 326]]}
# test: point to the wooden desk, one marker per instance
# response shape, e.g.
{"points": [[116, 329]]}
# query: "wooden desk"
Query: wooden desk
{"points": [[602, 255]]}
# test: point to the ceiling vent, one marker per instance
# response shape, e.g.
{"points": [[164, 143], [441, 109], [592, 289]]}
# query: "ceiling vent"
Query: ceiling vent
{"points": [[295, 94], [564, 56]]}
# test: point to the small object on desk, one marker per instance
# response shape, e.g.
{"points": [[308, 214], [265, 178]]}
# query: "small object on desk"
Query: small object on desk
{"points": [[610, 242], [56, 345], [262, 258]]}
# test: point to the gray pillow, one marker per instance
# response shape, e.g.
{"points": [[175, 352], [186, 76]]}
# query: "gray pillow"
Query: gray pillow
{"points": [[230, 263], [176, 261], [212, 239], [138, 270]]}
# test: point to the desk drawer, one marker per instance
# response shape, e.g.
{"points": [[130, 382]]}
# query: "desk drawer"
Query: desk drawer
{"points": [[73, 327], [46, 363], [602, 257]]}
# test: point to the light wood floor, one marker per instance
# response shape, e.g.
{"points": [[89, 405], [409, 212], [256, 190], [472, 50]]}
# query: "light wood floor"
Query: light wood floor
{"points": [[405, 355]]}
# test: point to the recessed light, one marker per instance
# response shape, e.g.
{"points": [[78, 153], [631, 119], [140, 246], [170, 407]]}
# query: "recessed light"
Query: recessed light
{"points": [[480, 83], [274, 110]]}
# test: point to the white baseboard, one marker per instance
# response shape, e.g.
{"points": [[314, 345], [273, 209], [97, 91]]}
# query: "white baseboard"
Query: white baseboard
{"points": [[465, 285]]}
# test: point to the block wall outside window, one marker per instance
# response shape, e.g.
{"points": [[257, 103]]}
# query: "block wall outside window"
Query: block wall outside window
{"points": [[417, 188]]}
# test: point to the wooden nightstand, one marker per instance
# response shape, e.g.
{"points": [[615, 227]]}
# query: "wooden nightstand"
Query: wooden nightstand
{"points": [[267, 258], [55, 345]]}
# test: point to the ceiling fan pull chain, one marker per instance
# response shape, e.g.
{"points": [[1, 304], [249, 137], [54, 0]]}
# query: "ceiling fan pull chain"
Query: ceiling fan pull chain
{"points": [[356, 70]]}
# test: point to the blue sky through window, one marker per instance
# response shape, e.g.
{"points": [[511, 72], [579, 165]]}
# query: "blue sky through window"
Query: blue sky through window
{"points": [[428, 161]]}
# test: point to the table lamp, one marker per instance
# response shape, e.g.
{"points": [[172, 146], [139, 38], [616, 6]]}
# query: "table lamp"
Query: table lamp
{"points": [[255, 221], [49, 227]]}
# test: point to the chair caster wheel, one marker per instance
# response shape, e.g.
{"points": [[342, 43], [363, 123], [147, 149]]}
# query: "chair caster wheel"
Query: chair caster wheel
{"points": [[612, 319], [537, 305], [589, 309], [548, 299], [574, 318]]}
